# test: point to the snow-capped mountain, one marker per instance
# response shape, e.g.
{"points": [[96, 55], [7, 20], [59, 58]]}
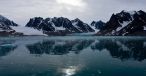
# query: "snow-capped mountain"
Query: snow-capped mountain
{"points": [[6, 23], [125, 23], [97, 25], [8, 27], [59, 25], [5, 26]]}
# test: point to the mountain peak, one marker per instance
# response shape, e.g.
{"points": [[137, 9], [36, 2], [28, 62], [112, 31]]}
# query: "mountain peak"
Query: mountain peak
{"points": [[130, 12], [98, 25], [6, 22], [2, 18], [58, 24], [125, 23], [77, 20], [5, 26]]}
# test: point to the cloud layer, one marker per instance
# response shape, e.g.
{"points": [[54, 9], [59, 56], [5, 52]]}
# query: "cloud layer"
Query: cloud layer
{"points": [[21, 10]]}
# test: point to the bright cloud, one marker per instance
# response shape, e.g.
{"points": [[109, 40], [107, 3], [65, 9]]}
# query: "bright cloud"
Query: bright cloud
{"points": [[76, 3], [72, 5]]}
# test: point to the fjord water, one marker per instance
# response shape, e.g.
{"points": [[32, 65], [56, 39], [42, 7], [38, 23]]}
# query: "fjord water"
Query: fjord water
{"points": [[73, 56]]}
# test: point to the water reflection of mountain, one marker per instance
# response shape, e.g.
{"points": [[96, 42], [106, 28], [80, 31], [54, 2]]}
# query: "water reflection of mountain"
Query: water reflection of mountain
{"points": [[59, 47], [123, 49], [6, 47]]}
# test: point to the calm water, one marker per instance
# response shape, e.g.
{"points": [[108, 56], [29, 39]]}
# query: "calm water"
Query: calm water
{"points": [[73, 56]]}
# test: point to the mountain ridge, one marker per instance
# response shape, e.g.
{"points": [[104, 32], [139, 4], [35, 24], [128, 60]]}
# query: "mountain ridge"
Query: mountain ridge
{"points": [[124, 23]]}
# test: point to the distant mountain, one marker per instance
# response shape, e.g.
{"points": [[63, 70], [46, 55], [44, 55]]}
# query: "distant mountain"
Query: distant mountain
{"points": [[8, 27], [59, 26], [5, 26], [98, 25], [125, 23], [6, 22]]}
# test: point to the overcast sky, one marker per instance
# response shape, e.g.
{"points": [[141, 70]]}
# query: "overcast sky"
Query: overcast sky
{"points": [[21, 11]]}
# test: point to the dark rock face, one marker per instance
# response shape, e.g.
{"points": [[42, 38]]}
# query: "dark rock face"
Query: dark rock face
{"points": [[59, 25], [98, 25], [125, 23], [5, 21]]}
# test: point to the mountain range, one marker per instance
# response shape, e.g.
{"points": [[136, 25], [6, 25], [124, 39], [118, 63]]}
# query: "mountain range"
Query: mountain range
{"points": [[125, 23]]}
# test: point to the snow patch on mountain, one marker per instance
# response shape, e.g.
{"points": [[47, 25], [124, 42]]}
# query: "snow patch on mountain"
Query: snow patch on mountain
{"points": [[27, 30], [130, 12], [56, 28], [124, 24], [75, 25], [94, 28]]}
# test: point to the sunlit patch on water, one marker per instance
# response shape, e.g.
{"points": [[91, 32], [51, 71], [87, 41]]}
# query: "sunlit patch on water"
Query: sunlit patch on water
{"points": [[69, 71]]}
